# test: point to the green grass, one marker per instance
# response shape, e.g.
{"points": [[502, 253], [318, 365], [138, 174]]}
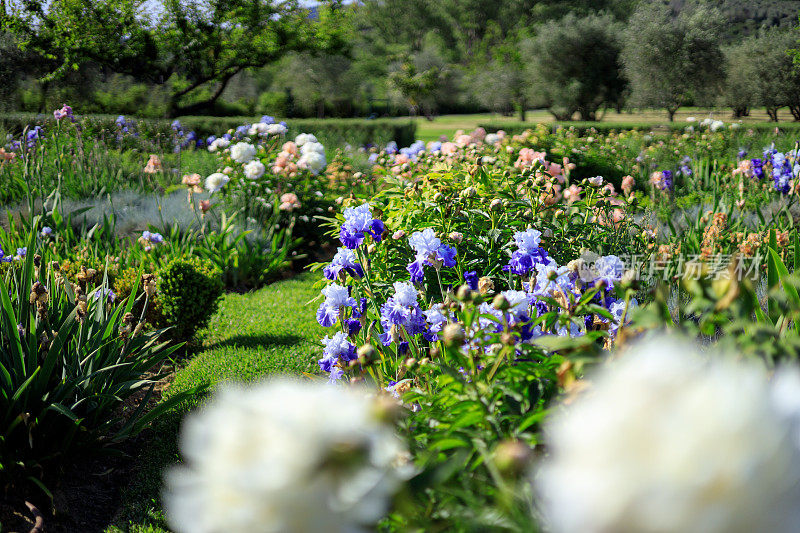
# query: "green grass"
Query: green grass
{"points": [[447, 124], [271, 331]]}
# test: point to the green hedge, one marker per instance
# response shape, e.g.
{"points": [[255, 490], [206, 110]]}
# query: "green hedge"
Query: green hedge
{"points": [[333, 132], [513, 128]]}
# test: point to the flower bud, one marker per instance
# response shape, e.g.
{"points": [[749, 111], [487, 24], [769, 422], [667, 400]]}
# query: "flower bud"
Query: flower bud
{"points": [[512, 456], [367, 354], [508, 338], [500, 302], [456, 237], [453, 335], [464, 293], [386, 409]]}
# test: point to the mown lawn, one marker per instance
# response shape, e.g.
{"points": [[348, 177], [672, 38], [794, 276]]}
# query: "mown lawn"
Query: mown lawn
{"points": [[271, 331], [447, 124]]}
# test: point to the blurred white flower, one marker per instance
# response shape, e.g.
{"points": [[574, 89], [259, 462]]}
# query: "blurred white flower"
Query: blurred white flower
{"points": [[216, 181], [243, 152], [254, 169], [667, 440], [313, 161], [596, 181], [491, 139], [716, 125], [259, 128], [284, 456], [218, 144], [277, 129], [310, 147], [303, 138]]}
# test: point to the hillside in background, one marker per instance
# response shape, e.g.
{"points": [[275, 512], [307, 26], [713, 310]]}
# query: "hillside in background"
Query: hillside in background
{"points": [[746, 17]]}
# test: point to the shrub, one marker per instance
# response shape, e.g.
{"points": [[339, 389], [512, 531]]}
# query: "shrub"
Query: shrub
{"points": [[189, 289], [71, 357], [273, 103], [354, 131], [128, 281]]}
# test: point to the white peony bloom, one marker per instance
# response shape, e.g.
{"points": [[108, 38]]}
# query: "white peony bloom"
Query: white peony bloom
{"points": [[716, 125], [303, 138], [596, 181], [259, 128], [254, 169], [277, 129], [313, 161], [309, 147], [667, 440], [218, 144], [284, 456], [243, 152], [491, 138], [216, 181]]}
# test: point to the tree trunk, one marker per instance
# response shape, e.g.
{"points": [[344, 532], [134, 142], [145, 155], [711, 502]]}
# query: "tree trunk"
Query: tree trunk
{"points": [[795, 109], [587, 115], [772, 112], [741, 111], [561, 117], [43, 86], [671, 112], [175, 110], [522, 111]]}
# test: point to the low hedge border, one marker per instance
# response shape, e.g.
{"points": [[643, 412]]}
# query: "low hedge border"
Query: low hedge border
{"points": [[334, 132], [513, 128]]}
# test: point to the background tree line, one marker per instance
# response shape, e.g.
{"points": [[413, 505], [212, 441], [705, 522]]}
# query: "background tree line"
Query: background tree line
{"points": [[577, 59]]}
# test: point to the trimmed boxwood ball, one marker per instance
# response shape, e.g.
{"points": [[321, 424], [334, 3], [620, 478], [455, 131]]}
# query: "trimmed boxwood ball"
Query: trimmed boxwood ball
{"points": [[189, 289]]}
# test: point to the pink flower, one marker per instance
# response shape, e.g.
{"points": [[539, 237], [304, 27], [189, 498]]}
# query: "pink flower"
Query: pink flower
{"points": [[554, 169], [449, 148], [64, 112], [463, 140], [478, 135], [191, 180], [289, 202], [205, 206], [745, 168], [153, 164], [289, 147], [399, 159], [627, 184], [281, 161], [573, 193]]}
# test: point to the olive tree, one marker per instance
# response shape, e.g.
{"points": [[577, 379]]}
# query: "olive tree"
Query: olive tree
{"points": [[761, 73], [673, 59], [573, 66]]}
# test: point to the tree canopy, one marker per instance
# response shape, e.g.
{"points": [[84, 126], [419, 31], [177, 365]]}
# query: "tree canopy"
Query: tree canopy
{"points": [[194, 47]]}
